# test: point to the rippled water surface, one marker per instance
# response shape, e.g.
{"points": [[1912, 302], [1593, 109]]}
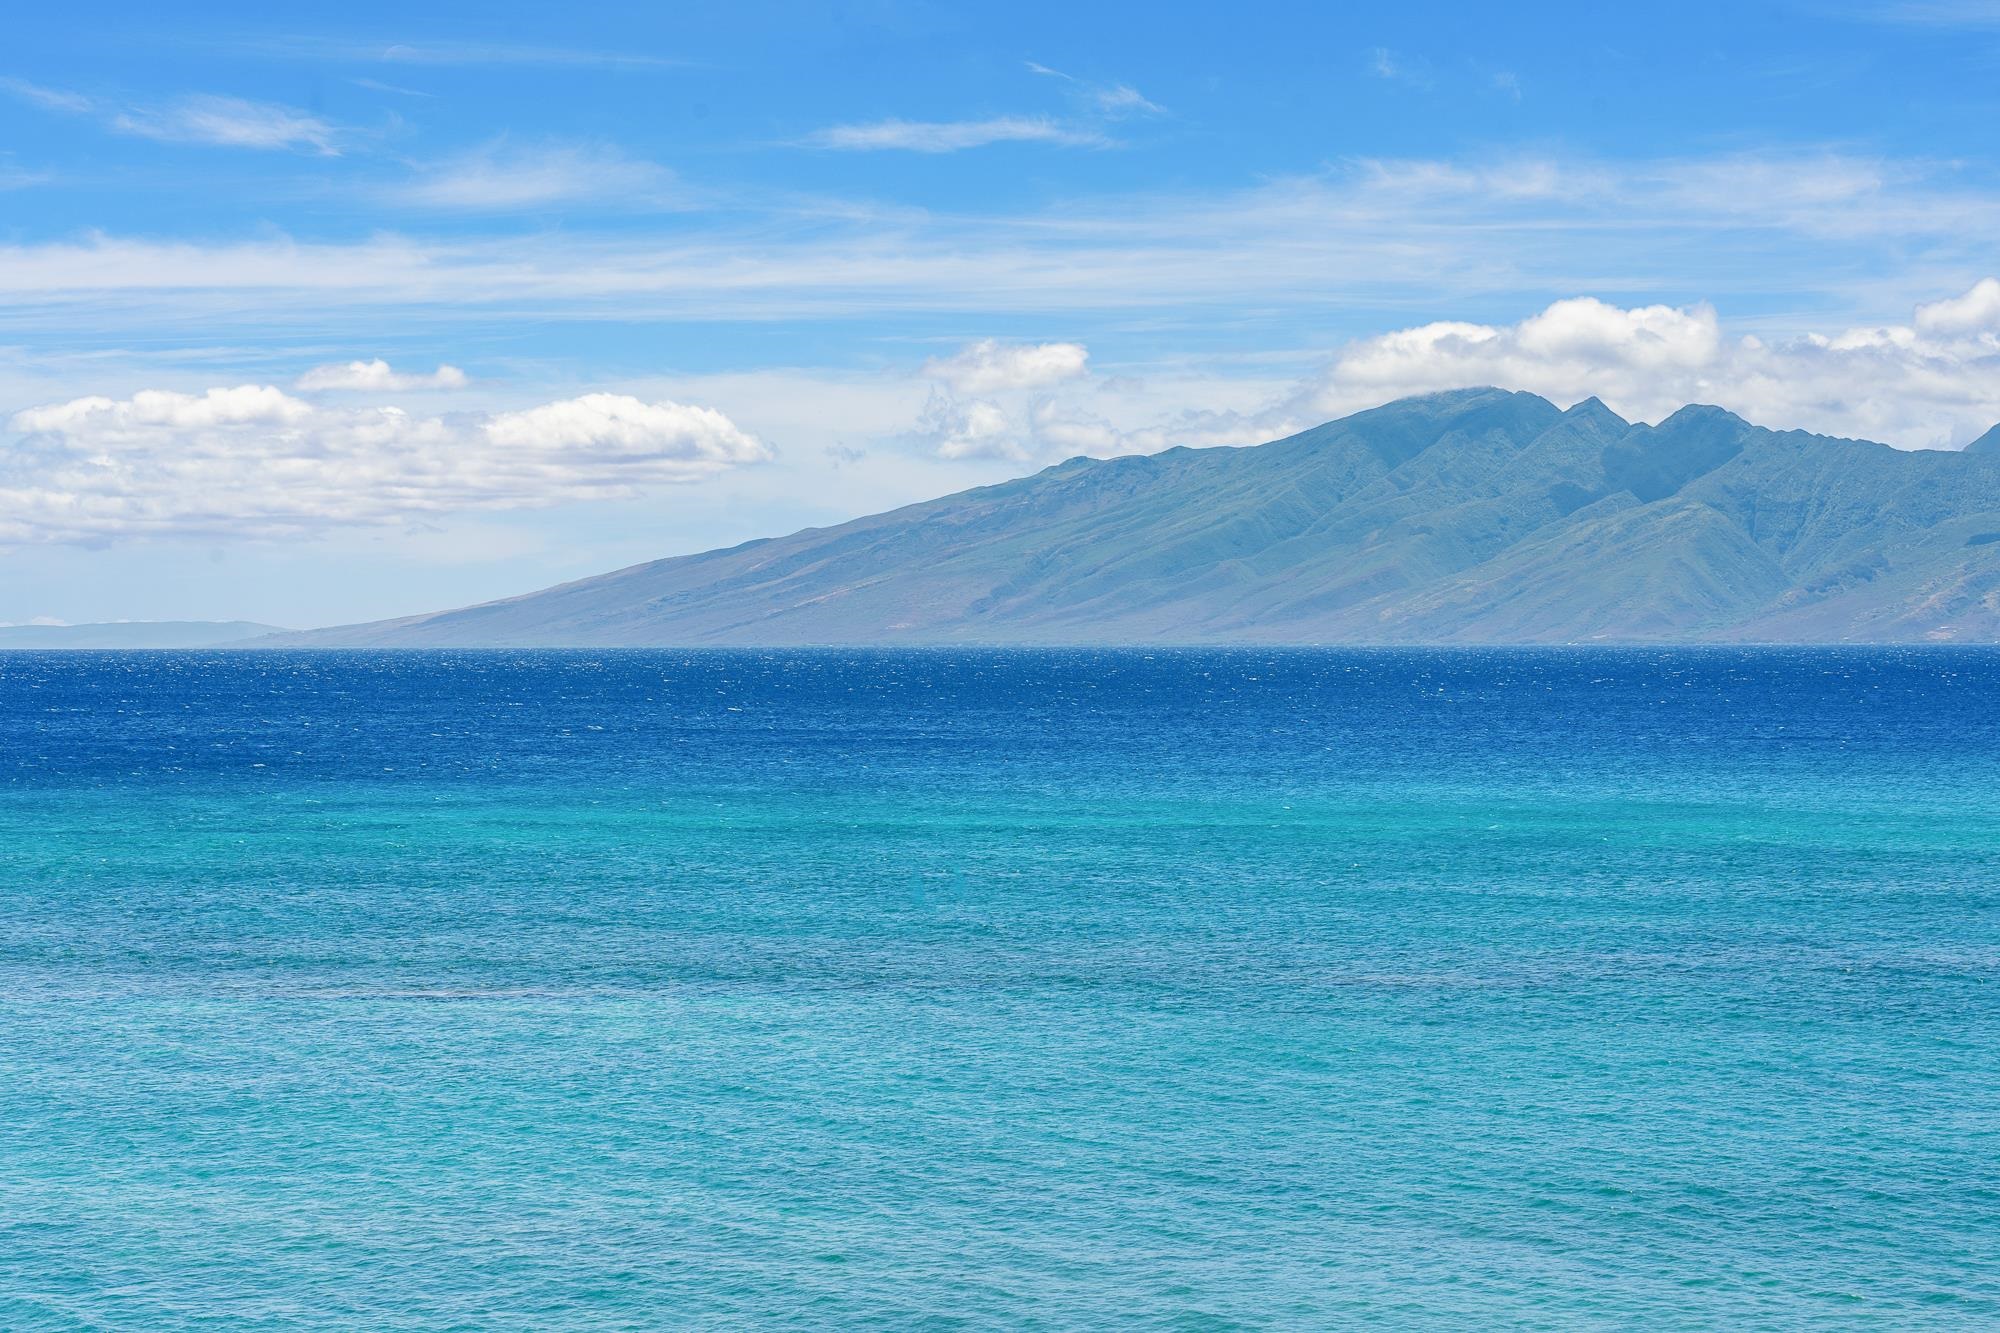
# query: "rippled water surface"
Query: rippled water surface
{"points": [[999, 989]]}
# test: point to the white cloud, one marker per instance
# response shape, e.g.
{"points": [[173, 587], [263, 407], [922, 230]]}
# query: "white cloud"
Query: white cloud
{"points": [[152, 410], [49, 99], [1329, 249], [394, 89], [1386, 64], [1109, 99], [951, 136], [378, 375], [230, 122], [1977, 311], [1932, 385], [975, 426], [1036, 401], [1099, 424], [976, 429], [252, 461], [499, 177], [14, 178], [1122, 99], [989, 365], [611, 426], [201, 118]]}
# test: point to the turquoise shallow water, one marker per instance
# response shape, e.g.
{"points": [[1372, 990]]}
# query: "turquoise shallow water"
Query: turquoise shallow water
{"points": [[982, 989]]}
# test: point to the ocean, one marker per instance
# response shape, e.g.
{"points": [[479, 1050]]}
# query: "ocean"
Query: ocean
{"points": [[1000, 989]]}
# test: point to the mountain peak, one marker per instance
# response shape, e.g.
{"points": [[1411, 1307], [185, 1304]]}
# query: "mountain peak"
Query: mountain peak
{"points": [[1987, 444], [1703, 414], [1476, 395], [1593, 410]]}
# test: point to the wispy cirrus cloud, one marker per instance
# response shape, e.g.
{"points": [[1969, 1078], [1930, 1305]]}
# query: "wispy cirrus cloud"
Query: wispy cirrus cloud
{"points": [[1097, 106], [49, 99], [502, 177], [388, 51], [952, 136], [1418, 73], [230, 122], [1331, 249], [394, 89], [198, 118], [20, 178], [1398, 68], [1110, 99]]}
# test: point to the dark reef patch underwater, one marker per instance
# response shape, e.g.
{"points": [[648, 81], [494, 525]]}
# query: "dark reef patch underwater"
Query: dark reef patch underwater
{"points": [[989, 988]]}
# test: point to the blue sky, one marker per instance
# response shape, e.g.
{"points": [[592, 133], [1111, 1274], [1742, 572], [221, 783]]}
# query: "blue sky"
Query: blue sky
{"points": [[342, 312]]}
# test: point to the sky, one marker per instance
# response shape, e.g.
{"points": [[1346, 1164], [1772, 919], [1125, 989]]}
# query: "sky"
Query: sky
{"points": [[312, 314]]}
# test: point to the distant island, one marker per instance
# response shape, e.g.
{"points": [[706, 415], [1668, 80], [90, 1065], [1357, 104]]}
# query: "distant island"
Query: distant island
{"points": [[136, 634], [1477, 516]]}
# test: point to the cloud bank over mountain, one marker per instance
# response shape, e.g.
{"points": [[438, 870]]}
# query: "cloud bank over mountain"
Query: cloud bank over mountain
{"points": [[1933, 383]]}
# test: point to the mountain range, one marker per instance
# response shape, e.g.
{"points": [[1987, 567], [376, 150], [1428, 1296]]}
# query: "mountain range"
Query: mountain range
{"points": [[136, 634], [1474, 516]]}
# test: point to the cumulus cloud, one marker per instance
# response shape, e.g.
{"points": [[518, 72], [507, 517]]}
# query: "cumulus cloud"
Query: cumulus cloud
{"points": [[976, 429], [951, 136], [377, 375], [1977, 311], [254, 461], [685, 441], [989, 365], [1934, 383], [1053, 428], [500, 177], [1034, 401], [975, 426]]}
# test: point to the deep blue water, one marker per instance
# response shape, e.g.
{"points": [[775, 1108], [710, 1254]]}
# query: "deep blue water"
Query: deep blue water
{"points": [[987, 989]]}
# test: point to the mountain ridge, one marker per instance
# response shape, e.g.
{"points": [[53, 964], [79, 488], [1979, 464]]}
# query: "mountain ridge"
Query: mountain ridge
{"points": [[1471, 516], [135, 634]]}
